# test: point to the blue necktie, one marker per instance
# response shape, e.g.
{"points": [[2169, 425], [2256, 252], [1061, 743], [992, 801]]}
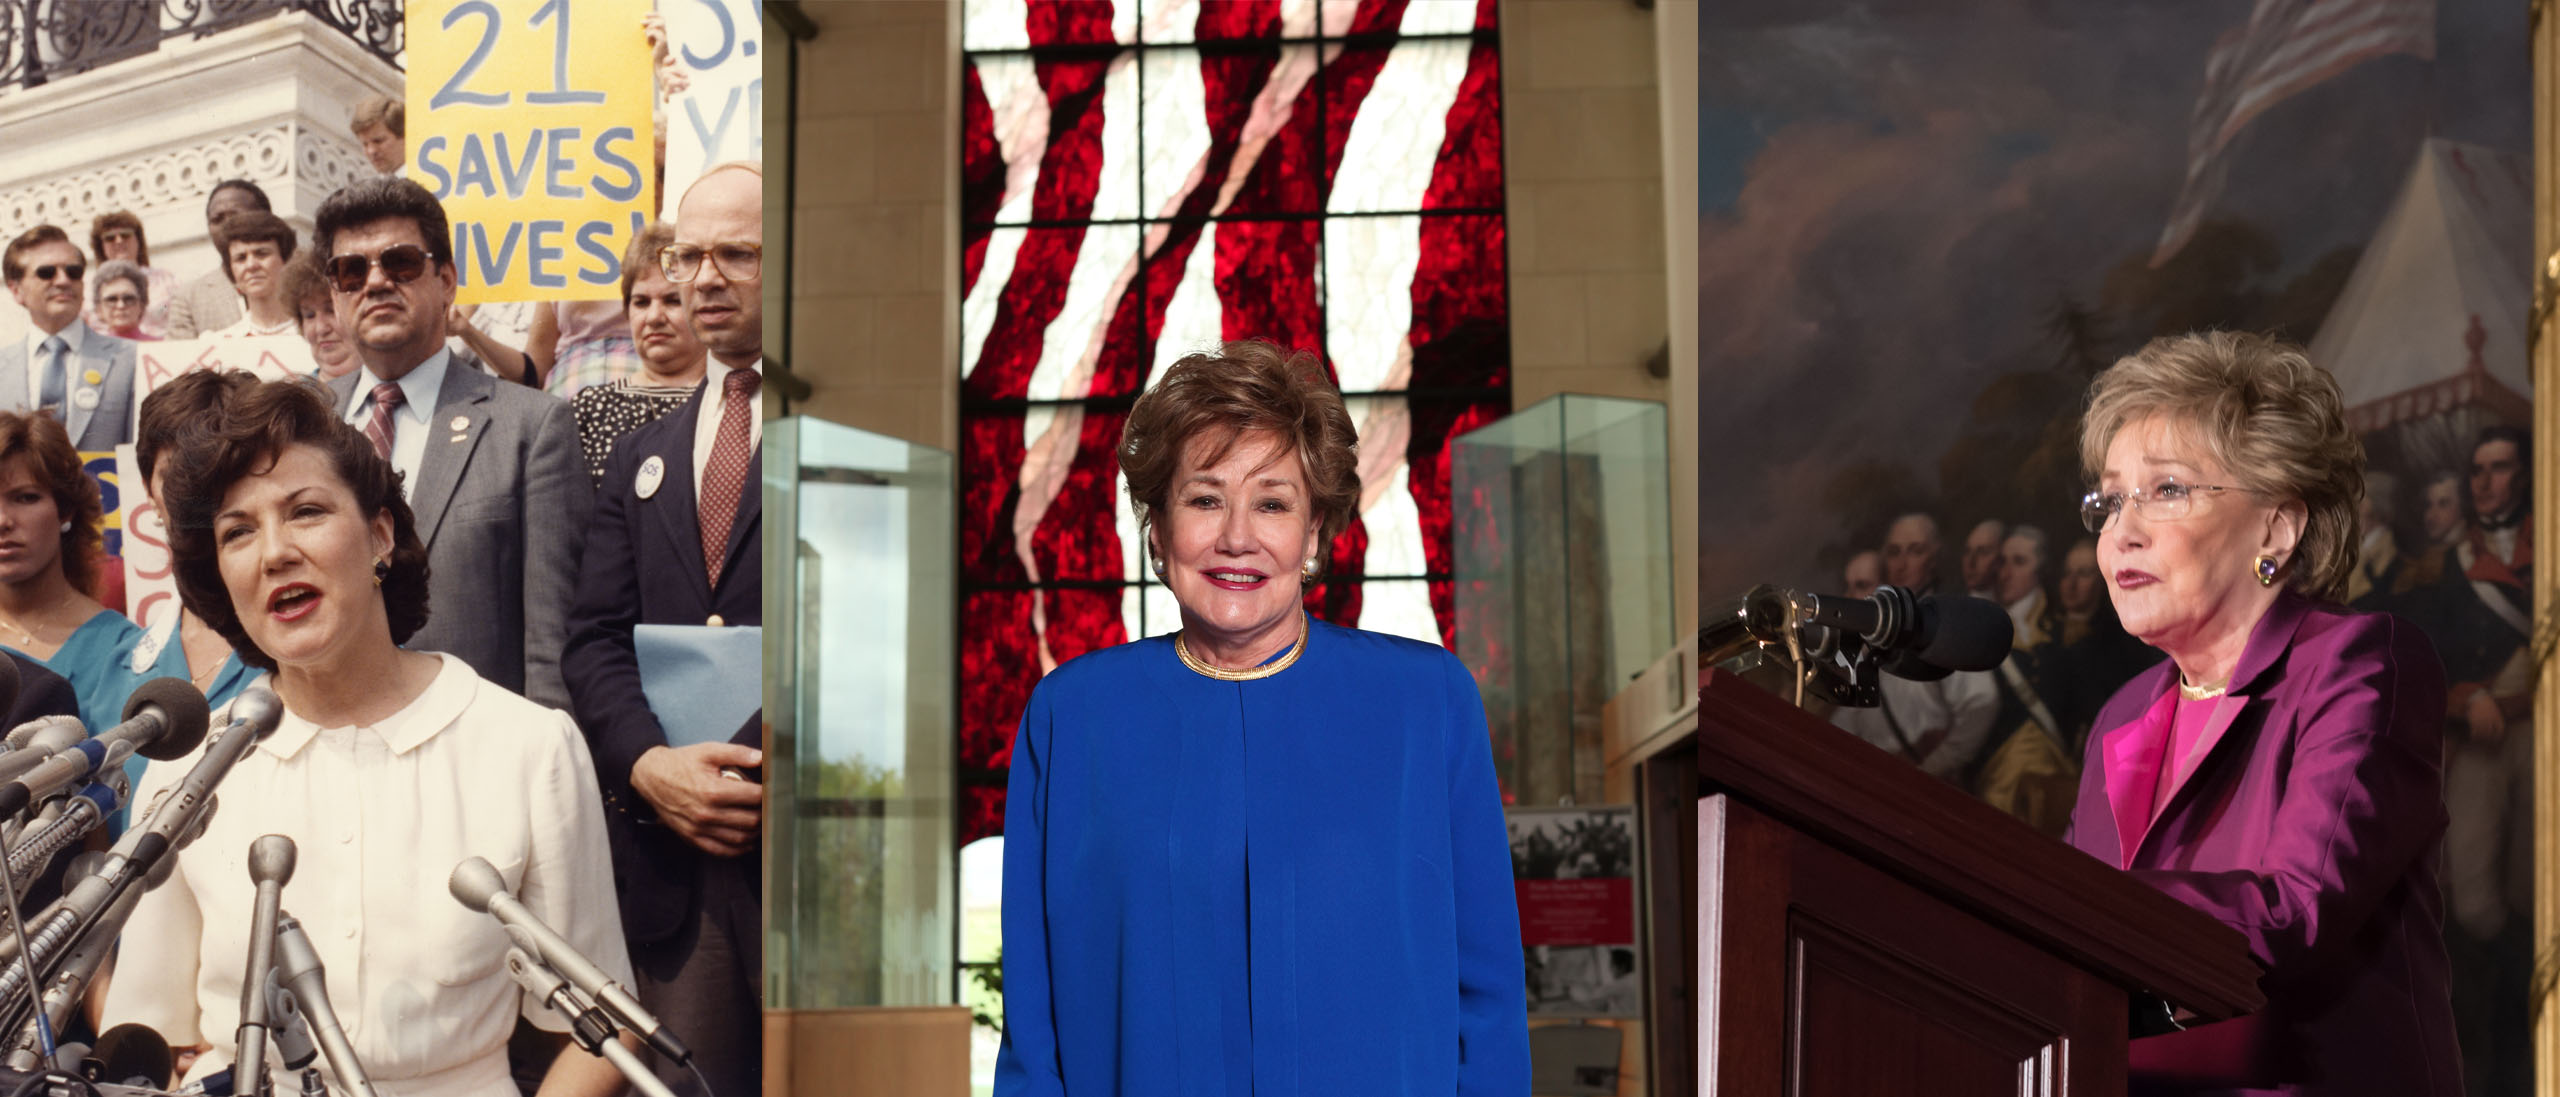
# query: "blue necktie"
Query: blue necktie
{"points": [[53, 375]]}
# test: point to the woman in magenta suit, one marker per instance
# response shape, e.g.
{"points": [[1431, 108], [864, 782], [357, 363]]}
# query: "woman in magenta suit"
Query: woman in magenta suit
{"points": [[2281, 771]]}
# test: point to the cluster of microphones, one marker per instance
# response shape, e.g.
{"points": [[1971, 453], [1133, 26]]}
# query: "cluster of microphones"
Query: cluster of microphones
{"points": [[1840, 643], [58, 783]]}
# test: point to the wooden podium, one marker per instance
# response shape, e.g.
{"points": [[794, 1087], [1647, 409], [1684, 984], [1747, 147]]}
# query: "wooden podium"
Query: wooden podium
{"points": [[1863, 928]]}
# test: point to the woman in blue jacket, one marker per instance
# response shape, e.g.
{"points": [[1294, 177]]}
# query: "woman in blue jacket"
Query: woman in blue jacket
{"points": [[1263, 855]]}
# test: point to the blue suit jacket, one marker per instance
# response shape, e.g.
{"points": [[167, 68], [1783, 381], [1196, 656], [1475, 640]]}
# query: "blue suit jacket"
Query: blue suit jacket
{"points": [[1299, 884], [643, 565]]}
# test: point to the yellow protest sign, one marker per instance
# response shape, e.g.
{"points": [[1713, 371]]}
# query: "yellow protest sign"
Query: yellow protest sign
{"points": [[530, 122]]}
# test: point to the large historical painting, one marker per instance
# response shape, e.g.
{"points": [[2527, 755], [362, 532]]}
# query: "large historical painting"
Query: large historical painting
{"points": [[1924, 227]]}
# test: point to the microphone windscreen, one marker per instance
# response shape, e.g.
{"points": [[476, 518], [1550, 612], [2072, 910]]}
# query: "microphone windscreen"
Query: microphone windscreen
{"points": [[1908, 665], [131, 1051], [187, 716], [1964, 633]]}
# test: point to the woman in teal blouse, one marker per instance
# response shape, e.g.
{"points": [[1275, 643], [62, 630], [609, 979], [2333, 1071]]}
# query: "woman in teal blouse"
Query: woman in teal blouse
{"points": [[1265, 855], [49, 540]]}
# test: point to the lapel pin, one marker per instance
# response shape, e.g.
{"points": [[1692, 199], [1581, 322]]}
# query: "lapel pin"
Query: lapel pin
{"points": [[85, 399], [93, 377], [652, 471], [455, 438], [462, 422]]}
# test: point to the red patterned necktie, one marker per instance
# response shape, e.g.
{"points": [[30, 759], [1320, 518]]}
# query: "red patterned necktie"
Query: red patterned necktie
{"points": [[726, 476], [386, 401]]}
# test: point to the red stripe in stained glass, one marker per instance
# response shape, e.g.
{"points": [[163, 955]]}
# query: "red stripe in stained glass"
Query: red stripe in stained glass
{"points": [[1267, 283]]}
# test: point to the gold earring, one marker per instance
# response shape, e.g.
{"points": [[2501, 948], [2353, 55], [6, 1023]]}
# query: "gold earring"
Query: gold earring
{"points": [[2266, 571], [381, 569]]}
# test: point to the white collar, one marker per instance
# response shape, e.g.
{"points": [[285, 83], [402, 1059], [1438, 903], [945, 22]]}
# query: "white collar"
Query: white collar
{"points": [[432, 711], [420, 388]]}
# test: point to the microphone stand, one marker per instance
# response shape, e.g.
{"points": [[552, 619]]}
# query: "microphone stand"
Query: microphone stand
{"points": [[298, 968], [590, 1026], [270, 867]]}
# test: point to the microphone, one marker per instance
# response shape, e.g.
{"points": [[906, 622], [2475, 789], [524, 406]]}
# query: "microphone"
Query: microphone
{"points": [[163, 721], [298, 968], [1949, 632], [292, 1031], [133, 1055], [270, 865], [587, 1024], [477, 884], [142, 854], [38, 739]]}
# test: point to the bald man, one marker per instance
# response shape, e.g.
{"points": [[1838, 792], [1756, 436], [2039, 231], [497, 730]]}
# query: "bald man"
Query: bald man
{"points": [[678, 539]]}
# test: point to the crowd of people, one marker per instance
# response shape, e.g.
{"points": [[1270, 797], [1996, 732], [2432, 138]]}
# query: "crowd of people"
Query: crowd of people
{"points": [[2012, 735], [435, 547]]}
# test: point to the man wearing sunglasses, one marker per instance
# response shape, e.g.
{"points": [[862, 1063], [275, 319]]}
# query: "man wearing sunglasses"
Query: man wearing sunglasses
{"points": [[491, 469], [678, 540], [80, 376]]}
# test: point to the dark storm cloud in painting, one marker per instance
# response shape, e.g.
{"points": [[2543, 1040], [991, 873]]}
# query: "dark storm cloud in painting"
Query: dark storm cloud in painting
{"points": [[1898, 200]]}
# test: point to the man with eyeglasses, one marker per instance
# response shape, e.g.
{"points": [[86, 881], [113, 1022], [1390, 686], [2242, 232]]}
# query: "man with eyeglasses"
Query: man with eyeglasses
{"points": [[80, 376], [491, 469], [678, 540]]}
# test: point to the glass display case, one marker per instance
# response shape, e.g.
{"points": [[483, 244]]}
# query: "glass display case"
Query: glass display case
{"points": [[859, 872], [1562, 540]]}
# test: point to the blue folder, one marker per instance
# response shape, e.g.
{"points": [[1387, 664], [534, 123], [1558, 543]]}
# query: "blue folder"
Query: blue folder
{"points": [[701, 682]]}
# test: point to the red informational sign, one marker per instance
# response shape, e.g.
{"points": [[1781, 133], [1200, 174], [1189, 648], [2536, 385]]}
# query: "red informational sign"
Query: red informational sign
{"points": [[1577, 912]]}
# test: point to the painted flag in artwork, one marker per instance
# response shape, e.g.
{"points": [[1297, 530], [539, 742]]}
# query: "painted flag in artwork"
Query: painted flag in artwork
{"points": [[1140, 182], [2287, 46]]}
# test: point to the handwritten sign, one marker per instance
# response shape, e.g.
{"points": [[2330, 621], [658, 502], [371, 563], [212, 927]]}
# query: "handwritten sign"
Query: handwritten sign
{"points": [[134, 527], [720, 115], [150, 576], [530, 122]]}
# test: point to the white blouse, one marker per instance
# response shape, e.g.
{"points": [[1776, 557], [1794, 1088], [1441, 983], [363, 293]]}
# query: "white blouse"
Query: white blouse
{"points": [[379, 816]]}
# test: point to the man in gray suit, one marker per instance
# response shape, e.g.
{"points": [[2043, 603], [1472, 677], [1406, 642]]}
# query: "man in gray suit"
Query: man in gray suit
{"points": [[211, 303], [80, 376], [491, 469]]}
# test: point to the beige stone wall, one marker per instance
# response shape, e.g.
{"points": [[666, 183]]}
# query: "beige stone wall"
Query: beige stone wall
{"points": [[875, 323], [1583, 154]]}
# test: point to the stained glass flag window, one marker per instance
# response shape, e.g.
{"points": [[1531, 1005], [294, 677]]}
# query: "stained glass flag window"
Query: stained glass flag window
{"points": [[1144, 179]]}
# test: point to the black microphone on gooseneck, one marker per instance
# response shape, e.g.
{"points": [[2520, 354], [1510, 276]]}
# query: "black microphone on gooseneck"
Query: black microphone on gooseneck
{"points": [[164, 720], [1951, 633]]}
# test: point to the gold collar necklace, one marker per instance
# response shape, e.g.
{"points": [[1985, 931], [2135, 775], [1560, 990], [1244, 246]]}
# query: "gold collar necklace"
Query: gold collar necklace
{"points": [[1266, 670], [2201, 693]]}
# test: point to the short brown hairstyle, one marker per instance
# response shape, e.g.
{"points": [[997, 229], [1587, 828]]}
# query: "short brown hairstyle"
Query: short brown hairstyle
{"points": [[380, 110], [258, 423], [303, 280], [183, 408], [11, 264], [642, 255], [41, 441], [2274, 422], [252, 226], [1244, 388], [118, 219]]}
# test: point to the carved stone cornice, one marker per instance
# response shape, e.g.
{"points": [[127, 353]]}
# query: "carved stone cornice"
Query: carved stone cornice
{"points": [[284, 153]]}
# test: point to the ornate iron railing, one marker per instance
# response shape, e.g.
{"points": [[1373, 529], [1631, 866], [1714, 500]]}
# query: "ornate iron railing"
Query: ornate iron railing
{"points": [[43, 40]]}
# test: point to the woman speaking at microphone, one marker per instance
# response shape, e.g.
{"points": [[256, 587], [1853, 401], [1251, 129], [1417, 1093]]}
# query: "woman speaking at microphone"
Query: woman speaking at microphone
{"points": [[2281, 770], [1264, 854], [293, 541]]}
